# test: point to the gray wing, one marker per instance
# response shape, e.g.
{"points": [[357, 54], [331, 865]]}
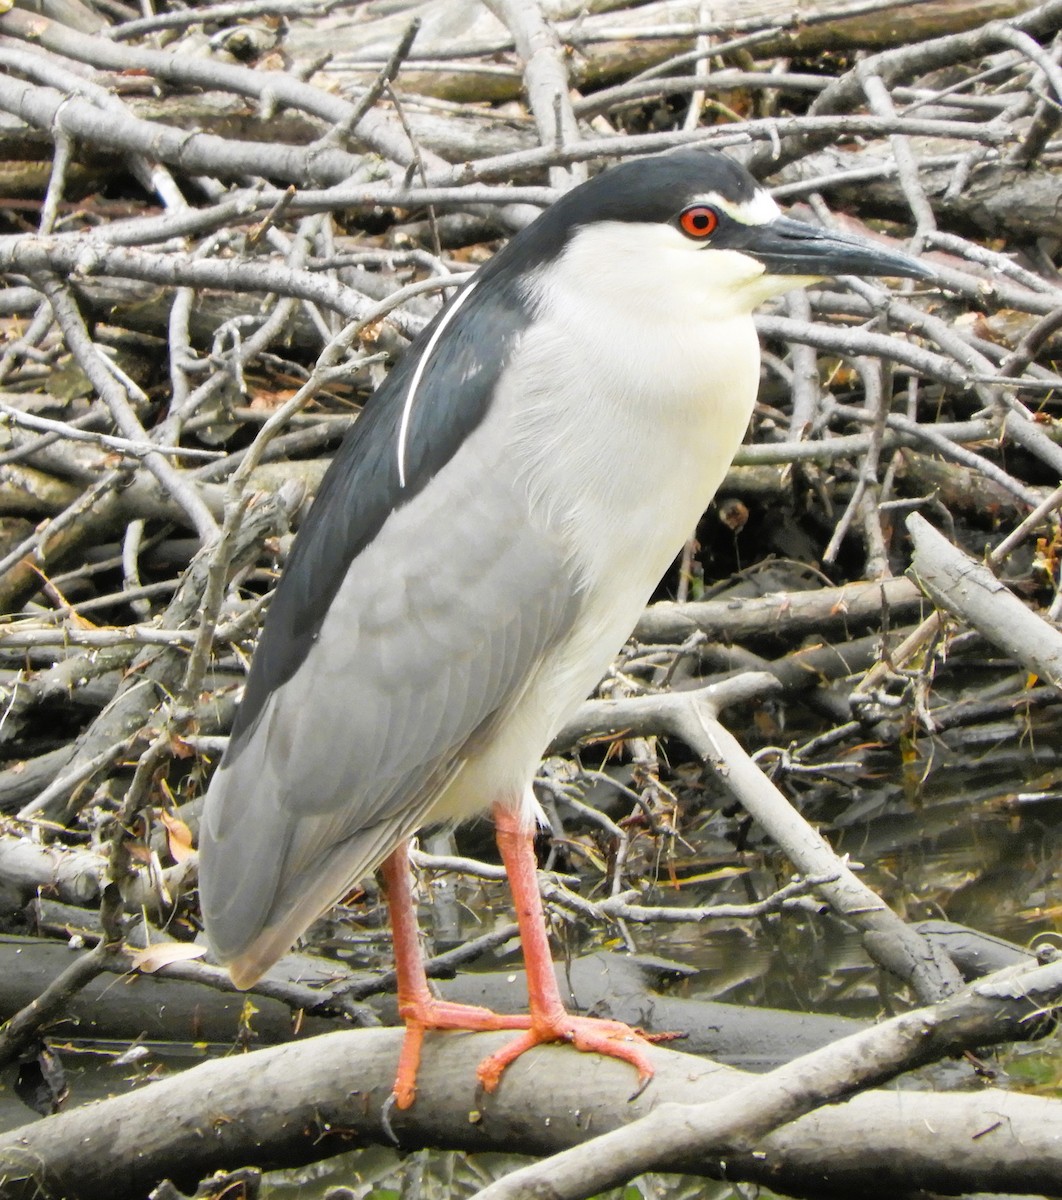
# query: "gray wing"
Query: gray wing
{"points": [[431, 635], [411, 611]]}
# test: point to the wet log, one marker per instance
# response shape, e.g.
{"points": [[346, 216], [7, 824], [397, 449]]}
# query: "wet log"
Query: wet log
{"points": [[160, 1008]]}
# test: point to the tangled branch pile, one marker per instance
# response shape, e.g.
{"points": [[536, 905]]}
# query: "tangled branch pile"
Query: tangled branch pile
{"points": [[219, 229]]}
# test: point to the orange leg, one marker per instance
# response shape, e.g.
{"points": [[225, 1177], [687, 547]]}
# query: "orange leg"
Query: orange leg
{"points": [[416, 1005], [550, 1021]]}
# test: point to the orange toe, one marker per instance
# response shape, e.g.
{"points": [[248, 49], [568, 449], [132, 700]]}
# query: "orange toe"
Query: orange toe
{"points": [[428, 1013], [588, 1034]]}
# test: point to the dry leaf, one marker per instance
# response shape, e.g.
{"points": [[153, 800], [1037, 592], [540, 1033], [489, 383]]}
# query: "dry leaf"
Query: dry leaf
{"points": [[178, 837], [179, 748], [161, 954]]}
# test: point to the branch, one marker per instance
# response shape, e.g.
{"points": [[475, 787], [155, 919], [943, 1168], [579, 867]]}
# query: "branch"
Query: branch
{"points": [[737, 1123], [691, 716], [976, 596], [788, 613], [545, 80], [308, 1100], [25, 1024]]}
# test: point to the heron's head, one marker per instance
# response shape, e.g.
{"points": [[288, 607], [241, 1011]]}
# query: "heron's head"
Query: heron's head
{"points": [[691, 228]]}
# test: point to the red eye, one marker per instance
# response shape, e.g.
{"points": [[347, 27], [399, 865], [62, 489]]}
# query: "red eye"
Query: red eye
{"points": [[698, 221]]}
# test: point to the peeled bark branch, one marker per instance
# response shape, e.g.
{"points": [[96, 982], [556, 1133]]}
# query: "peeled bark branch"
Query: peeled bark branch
{"points": [[972, 593], [300, 1102]]}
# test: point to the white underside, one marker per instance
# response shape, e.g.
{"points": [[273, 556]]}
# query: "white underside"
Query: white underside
{"points": [[628, 414]]}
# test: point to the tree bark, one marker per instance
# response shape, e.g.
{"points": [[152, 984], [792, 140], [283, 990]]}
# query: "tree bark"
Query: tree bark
{"points": [[305, 1101]]}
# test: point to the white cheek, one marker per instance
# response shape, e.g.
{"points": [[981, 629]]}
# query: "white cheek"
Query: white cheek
{"points": [[657, 269], [654, 271], [728, 270], [740, 284], [768, 286]]}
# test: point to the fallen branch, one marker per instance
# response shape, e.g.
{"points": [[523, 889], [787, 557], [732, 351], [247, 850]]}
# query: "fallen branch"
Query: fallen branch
{"points": [[739, 1122], [301, 1102], [973, 594]]}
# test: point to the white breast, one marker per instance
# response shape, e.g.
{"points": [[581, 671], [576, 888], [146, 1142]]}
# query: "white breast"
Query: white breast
{"points": [[623, 412]]}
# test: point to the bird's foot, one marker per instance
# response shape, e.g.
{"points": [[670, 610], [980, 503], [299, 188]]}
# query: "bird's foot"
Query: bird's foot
{"points": [[589, 1034], [425, 1013]]}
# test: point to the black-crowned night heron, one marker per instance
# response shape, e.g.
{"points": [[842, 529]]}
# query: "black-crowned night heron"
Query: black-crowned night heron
{"points": [[480, 548]]}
